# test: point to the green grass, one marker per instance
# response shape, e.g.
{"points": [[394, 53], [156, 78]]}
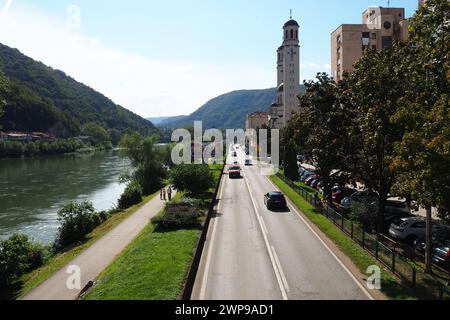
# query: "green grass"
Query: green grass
{"points": [[153, 267], [390, 286], [56, 262]]}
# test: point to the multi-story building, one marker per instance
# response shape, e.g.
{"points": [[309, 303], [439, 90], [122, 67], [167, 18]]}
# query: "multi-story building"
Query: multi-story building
{"points": [[288, 77], [380, 28]]}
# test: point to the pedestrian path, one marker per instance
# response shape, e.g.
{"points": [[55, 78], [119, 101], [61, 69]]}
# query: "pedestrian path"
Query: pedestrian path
{"points": [[91, 262]]}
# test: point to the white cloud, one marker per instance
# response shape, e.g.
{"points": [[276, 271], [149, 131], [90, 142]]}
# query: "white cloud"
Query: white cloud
{"points": [[147, 86]]}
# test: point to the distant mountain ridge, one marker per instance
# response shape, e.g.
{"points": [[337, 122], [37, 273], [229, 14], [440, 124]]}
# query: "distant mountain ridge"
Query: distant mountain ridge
{"points": [[227, 111], [44, 99]]}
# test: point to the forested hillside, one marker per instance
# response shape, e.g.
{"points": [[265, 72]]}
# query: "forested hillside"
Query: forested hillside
{"points": [[40, 98]]}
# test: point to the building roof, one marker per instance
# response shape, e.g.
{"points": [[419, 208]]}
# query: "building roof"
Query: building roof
{"points": [[291, 23]]}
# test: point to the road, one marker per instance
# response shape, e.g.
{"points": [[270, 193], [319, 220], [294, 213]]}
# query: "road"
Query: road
{"points": [[92, 261], [252, 253]]}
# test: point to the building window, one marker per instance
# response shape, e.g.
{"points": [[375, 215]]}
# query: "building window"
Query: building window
{"points": [[286, 34], [374, 36], [292, 34], [296, 34], [366, 35], [386, 42]]}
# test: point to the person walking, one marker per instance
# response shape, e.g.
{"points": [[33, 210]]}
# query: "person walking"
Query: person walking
{"points": [[161, 194], [164, 194]]}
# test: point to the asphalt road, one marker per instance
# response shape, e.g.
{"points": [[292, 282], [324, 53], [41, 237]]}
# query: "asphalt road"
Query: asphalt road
{"points": [[253, 253]]}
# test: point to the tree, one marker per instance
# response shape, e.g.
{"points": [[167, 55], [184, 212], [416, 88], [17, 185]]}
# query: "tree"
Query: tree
{"points": [[77, 220], [193, 178], [98, 134], [325, 118], [18, 255], [423, 155], [146, 159], [371, 96], [4, 92]]}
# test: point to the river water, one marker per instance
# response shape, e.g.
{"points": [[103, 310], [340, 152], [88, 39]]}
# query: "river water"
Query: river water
{"points": [[32, 190]]}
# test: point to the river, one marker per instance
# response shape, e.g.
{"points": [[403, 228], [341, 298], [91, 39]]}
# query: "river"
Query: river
{"points": [[32, 190]]}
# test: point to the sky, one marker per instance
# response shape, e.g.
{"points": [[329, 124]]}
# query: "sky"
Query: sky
{"points": [[167, 58]]}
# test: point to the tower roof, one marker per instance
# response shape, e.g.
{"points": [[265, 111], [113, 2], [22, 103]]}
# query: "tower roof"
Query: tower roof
{"points": [[291, 22]]}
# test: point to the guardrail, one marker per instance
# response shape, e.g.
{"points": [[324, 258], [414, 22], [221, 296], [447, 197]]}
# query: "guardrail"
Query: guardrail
{"points": [[424, 284]]}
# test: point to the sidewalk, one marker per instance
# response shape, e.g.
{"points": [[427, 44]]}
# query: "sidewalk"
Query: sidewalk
{"points": [[97, 257]]}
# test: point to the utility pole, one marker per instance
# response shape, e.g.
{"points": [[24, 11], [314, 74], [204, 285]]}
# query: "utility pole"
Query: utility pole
{"points": [[429, 242]]}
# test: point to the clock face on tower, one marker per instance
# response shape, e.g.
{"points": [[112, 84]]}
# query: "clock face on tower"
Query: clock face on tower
{"points": [[387, 25]]}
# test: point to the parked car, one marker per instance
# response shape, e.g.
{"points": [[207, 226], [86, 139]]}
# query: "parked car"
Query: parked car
{"points": [[310, 179], [305, 175], [339, 193], [234, 172], [359, 196], [440, 236], [397, 206], [410, 229], [315, 182], [275, 200], [441, 254], [248, 162]]}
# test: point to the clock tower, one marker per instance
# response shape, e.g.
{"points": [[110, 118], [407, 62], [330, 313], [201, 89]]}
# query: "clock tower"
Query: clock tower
{"points": [[288, 76]]}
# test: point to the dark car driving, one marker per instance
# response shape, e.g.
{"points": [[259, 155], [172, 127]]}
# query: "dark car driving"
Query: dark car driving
{"points": [[234, 172], [275, 200]]}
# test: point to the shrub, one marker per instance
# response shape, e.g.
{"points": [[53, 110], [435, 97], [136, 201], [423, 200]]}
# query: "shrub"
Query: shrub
{"points": [[173, 220], [18, 255], [365, 212], [77, 220], [194, 178], [131, 196]]}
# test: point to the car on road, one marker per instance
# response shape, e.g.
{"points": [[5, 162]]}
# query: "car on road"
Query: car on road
{"points": [[234, 172], [410, 229], [275, 200], [248, 162]]}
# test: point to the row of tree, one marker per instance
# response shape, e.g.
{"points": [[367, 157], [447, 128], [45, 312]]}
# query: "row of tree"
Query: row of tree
{"points": [[387, 123]]}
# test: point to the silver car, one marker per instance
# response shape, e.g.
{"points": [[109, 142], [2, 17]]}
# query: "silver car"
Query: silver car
{"points": [[410, 229]]}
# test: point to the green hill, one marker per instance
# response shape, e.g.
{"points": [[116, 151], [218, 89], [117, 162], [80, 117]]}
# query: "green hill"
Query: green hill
{"points": [[41, 98], [227, 111]]}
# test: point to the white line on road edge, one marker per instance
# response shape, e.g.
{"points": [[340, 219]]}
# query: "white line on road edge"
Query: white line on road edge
{"points": [[264, 225], [266, 241], [283, 277], [325, 245], [211, 244]]}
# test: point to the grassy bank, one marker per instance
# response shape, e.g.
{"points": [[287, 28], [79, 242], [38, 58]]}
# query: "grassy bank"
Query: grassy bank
{"points": [[390, 286], [155, 265], [55, 263]]}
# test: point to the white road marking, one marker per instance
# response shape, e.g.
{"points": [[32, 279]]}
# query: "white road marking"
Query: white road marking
{"points": [[292, 206], [211, 244], [283, 277], [268, 247], [264, 225]]}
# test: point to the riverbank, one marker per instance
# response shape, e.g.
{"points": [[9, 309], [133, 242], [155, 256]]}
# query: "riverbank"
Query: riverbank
{"points": [[55, 263]]}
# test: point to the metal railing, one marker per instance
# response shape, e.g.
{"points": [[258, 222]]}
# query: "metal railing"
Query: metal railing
{"points": [[424, 284]]}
